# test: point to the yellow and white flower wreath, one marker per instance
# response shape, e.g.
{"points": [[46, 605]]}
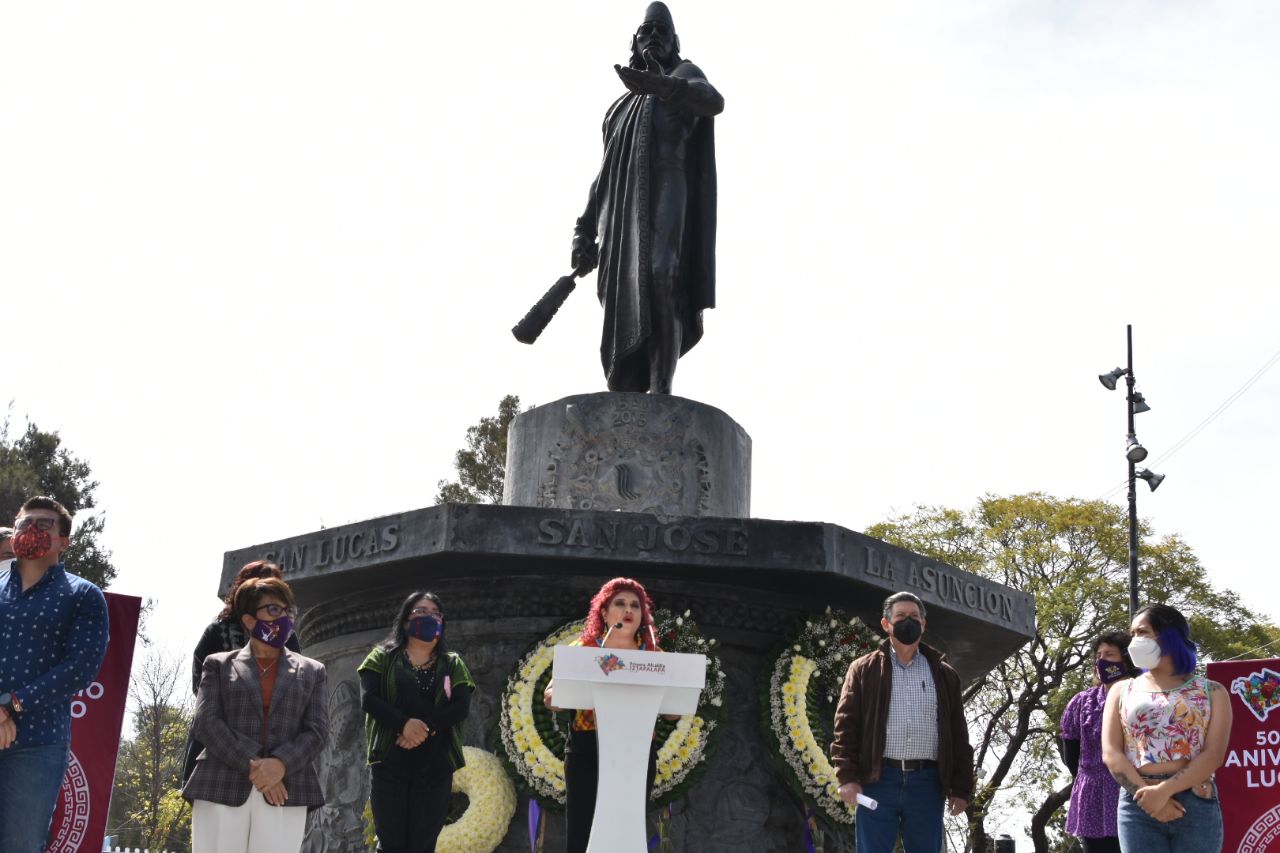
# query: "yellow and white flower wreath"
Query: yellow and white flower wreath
{"points": [[492, 804], [803, 685]]}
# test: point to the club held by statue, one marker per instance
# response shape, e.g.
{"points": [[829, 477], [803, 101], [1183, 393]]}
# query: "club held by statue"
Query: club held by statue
{"points": [[528, 329]]}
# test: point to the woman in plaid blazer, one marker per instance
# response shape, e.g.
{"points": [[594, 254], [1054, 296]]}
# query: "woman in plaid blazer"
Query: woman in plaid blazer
{"points": [[262, 715], [226, 634]]}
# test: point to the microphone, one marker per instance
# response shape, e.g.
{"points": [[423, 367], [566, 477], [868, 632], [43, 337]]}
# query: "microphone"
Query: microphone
{"points": [[612, 628], [653, 639]]}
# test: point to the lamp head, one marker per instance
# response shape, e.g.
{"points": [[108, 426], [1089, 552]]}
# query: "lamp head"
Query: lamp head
{"points": [[1153, 479], [1135, 452], [1108, 380]]}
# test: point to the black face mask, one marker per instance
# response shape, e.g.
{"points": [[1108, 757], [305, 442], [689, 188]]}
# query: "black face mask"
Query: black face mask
{"points": [[907, 631]]}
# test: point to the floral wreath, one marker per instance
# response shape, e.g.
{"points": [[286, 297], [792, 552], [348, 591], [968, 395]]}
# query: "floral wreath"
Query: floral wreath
{"points": [[533, 740], [799, 707], [492, 804]]}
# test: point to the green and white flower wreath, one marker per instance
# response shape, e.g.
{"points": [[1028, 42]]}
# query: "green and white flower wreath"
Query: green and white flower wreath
{"points": [[491, 805], [533, 742], [799, 706]]}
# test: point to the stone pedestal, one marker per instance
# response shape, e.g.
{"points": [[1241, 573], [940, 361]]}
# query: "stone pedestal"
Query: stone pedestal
{"points": [[663, 455]]}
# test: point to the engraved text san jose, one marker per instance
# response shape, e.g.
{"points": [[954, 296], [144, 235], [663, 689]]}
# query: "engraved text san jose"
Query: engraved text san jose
{"points": [[624, 536]]}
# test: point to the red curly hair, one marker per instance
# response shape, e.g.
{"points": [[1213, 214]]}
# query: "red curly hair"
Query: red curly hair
{"points": [[595, 628]]}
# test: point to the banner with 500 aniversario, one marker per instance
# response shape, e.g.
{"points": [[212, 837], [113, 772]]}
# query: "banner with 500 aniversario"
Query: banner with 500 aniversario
{"points": [[97, 713], [1249, 778]]}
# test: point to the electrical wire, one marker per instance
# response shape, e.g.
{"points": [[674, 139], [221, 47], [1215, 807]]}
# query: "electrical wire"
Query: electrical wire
{"points": [[1251, 652], [1271, 362]]}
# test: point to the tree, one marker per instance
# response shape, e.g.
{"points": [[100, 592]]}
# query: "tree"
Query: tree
{"points": [[1072, 555], [482, 465], [36, 463], [147, 808]]}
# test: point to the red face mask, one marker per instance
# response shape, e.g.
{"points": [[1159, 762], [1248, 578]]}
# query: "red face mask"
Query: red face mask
{"points": [[32, 543]]}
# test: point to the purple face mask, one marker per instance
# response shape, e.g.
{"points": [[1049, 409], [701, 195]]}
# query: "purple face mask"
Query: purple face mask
{"points": [[274, 634], [1110, 671], [425, 628]]}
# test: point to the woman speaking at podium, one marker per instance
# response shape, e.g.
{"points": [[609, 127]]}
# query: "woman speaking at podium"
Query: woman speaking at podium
{"points": [[620, 617]]}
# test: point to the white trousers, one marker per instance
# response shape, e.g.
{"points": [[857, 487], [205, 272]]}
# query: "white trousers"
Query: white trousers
{"points": [[255, 827]]}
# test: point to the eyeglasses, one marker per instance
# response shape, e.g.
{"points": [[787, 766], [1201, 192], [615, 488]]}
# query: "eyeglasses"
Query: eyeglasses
{"points": [[422, 611], [275, 611], [41, 523]]}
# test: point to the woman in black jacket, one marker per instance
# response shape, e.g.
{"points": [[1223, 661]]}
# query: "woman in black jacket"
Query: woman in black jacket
{"points": [[415, 694]]}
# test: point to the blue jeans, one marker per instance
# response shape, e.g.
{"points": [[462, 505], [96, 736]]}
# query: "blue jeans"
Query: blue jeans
{"points": [[911, 803], [1197, 831], [30, 777]]}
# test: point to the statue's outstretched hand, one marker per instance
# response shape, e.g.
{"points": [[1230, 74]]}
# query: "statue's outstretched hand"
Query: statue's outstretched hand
{"points": [[650, 81], [586, 254]]}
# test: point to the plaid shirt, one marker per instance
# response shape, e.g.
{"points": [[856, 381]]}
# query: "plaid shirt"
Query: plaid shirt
{"points": [[912, 729]]}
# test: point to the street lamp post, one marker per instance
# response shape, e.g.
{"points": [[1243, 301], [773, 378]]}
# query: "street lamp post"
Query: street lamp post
{"points": [[1129, 382], [1134, 404]]}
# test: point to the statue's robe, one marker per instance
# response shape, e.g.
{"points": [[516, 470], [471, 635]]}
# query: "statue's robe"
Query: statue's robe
{"points": [[621, 213]]}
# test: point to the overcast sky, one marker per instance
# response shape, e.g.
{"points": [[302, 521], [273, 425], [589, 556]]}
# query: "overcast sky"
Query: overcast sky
{"points": [[260, 260]]}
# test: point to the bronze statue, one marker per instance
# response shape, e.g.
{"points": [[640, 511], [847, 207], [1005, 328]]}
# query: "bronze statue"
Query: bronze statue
{"points": [[653, 209]]}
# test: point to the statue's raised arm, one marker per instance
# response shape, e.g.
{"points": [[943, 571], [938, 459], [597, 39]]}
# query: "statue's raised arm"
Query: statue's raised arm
{"points": [[685, 88]]}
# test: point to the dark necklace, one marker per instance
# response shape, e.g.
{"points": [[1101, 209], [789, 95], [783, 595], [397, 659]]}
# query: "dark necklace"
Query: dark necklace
{"points": [[425, 672]]}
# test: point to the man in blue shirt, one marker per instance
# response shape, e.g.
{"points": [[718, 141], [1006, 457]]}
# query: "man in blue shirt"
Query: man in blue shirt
{"points": [[53, 635]]}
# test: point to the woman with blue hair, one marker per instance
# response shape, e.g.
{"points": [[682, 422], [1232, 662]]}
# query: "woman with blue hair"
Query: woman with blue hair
{"points": [[1164, 734]]}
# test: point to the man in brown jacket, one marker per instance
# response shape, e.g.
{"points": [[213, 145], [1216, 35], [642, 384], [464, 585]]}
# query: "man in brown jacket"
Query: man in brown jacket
{"points": [[901, 737]]}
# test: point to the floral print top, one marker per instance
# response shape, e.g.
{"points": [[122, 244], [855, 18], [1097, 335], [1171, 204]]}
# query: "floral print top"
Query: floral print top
{"points": [[1164, 725]]}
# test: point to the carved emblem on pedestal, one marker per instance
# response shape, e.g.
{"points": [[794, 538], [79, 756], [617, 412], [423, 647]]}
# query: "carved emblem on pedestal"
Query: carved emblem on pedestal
{"points": [[628, 456]]}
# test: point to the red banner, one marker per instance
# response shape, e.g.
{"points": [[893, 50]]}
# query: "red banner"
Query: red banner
{"points": [[97, 713], [1249, 780]]}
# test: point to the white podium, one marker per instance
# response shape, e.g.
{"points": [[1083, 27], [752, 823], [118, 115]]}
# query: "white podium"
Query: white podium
{"points": [[628, 690]]}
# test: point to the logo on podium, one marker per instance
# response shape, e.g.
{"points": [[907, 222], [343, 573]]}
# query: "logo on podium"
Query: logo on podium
{"points": [[610, 663]]}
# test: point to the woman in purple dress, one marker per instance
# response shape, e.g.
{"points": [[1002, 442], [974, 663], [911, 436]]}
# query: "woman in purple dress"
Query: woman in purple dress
{"points": [[1094, 794]]}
